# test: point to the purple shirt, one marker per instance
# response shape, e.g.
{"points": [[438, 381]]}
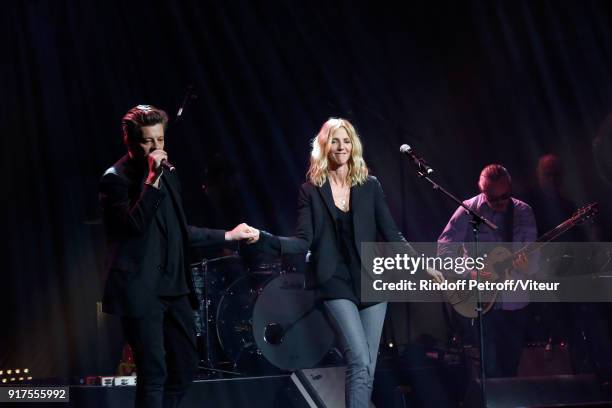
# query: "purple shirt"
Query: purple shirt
{"points": [[524, 231]]}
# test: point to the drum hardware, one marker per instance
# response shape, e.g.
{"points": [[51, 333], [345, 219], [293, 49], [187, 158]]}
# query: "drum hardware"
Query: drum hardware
{"points": [[234, 320], [204, 316]]}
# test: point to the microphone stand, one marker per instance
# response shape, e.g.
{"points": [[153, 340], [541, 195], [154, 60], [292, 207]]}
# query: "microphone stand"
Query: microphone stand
{"points": [[476, 221], [189, 95]]}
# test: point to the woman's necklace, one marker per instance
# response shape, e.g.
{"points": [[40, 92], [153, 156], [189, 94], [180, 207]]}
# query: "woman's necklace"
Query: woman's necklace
{"points": [[341, 198]]}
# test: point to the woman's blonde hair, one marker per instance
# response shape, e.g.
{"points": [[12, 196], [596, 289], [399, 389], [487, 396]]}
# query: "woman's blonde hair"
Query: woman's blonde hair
{"points": [[321, 145]]}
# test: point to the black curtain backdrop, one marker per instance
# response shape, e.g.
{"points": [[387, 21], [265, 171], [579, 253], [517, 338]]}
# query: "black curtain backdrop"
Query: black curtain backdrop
{"points": [[465, 83]]}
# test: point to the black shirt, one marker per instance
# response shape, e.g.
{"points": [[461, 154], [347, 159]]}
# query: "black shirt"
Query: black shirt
{"points": [[346, 280], [172, 281]]}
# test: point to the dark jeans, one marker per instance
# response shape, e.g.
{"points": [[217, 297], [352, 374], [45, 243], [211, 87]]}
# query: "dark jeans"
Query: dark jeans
{"points": [[504, 336], [164, 346], [358, 333]]}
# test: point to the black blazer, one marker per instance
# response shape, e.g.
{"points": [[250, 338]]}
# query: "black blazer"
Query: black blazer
{"points": [[317, 229], [135, 239]]}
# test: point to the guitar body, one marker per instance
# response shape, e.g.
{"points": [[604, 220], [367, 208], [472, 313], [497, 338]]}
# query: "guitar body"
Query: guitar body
{"points": [[466, 307], [465, 302]]}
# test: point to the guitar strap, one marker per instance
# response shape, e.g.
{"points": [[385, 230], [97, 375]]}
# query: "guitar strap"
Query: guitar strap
{"points": [[508, 231]]}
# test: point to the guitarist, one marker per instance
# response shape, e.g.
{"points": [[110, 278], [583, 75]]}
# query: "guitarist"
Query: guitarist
{"points": [[504, 324]]}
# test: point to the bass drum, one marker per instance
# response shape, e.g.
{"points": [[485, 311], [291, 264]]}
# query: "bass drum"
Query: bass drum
{"points": [[234, 323], [289, 328]]}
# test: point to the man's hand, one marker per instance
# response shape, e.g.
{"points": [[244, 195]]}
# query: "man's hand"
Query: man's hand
{"points": [[155, 159], [242, 231], [521, 263], [435, 274], [483, 274]]}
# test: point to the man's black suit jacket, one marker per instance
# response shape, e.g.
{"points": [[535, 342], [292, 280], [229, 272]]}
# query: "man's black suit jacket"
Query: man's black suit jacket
{"points": [[316, 229], [135, 239]]}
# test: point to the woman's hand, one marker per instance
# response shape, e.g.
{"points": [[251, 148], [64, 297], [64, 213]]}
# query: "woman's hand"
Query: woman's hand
{"points": [[255, 238]]}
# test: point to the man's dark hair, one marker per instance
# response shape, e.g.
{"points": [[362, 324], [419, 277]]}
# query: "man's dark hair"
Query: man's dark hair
{"points": [[139, 116]]}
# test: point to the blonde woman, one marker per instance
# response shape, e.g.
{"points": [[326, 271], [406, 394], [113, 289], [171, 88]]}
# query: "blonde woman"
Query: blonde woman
{"points": [[341, 206]]}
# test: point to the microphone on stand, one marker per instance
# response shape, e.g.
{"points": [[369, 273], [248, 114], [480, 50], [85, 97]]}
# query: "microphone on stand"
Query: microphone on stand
{"points": [[189, 94], [419, 162]]}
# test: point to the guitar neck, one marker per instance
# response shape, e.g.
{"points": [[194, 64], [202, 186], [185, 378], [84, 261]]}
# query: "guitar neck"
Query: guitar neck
{"points": [[549, 236]]}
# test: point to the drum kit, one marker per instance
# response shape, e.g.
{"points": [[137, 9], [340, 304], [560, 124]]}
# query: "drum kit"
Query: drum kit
{"points": [[255, 320]]}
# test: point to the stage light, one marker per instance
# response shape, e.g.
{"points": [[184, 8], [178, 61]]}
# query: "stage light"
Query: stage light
{"points": [[17, 371], [9, 371], [26, 370], [390, 345], [4, 381], [13, 379], [1, 372], [29, 378], [20, 378]]}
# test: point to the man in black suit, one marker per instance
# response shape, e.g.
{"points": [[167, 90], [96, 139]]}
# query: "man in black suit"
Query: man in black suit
{"points": [[149, 284]]}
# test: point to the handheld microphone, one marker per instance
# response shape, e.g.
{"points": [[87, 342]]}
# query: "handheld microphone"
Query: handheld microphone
{"points": [[419, 162], [167, 165]]}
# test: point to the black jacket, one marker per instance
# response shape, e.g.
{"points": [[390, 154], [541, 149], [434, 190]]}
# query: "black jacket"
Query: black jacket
{"points": [[135, 239], [316, 227]]}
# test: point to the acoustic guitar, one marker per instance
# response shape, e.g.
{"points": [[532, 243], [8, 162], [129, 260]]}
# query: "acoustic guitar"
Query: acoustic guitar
{"points": [[500, 261]]}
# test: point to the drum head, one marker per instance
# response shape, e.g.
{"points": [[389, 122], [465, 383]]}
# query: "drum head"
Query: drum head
{"points": [[289, 329]]}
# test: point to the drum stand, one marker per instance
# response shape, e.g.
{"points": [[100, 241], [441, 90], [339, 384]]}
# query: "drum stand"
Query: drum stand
{"points": [[207, 364]]}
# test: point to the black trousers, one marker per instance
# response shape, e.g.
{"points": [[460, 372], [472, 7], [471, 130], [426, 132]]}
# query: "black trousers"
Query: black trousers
{"points": [[164, 346], [504, 336]]}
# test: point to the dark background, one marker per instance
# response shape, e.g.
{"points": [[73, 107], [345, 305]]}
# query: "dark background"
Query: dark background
{"points": [[465, 83]]}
